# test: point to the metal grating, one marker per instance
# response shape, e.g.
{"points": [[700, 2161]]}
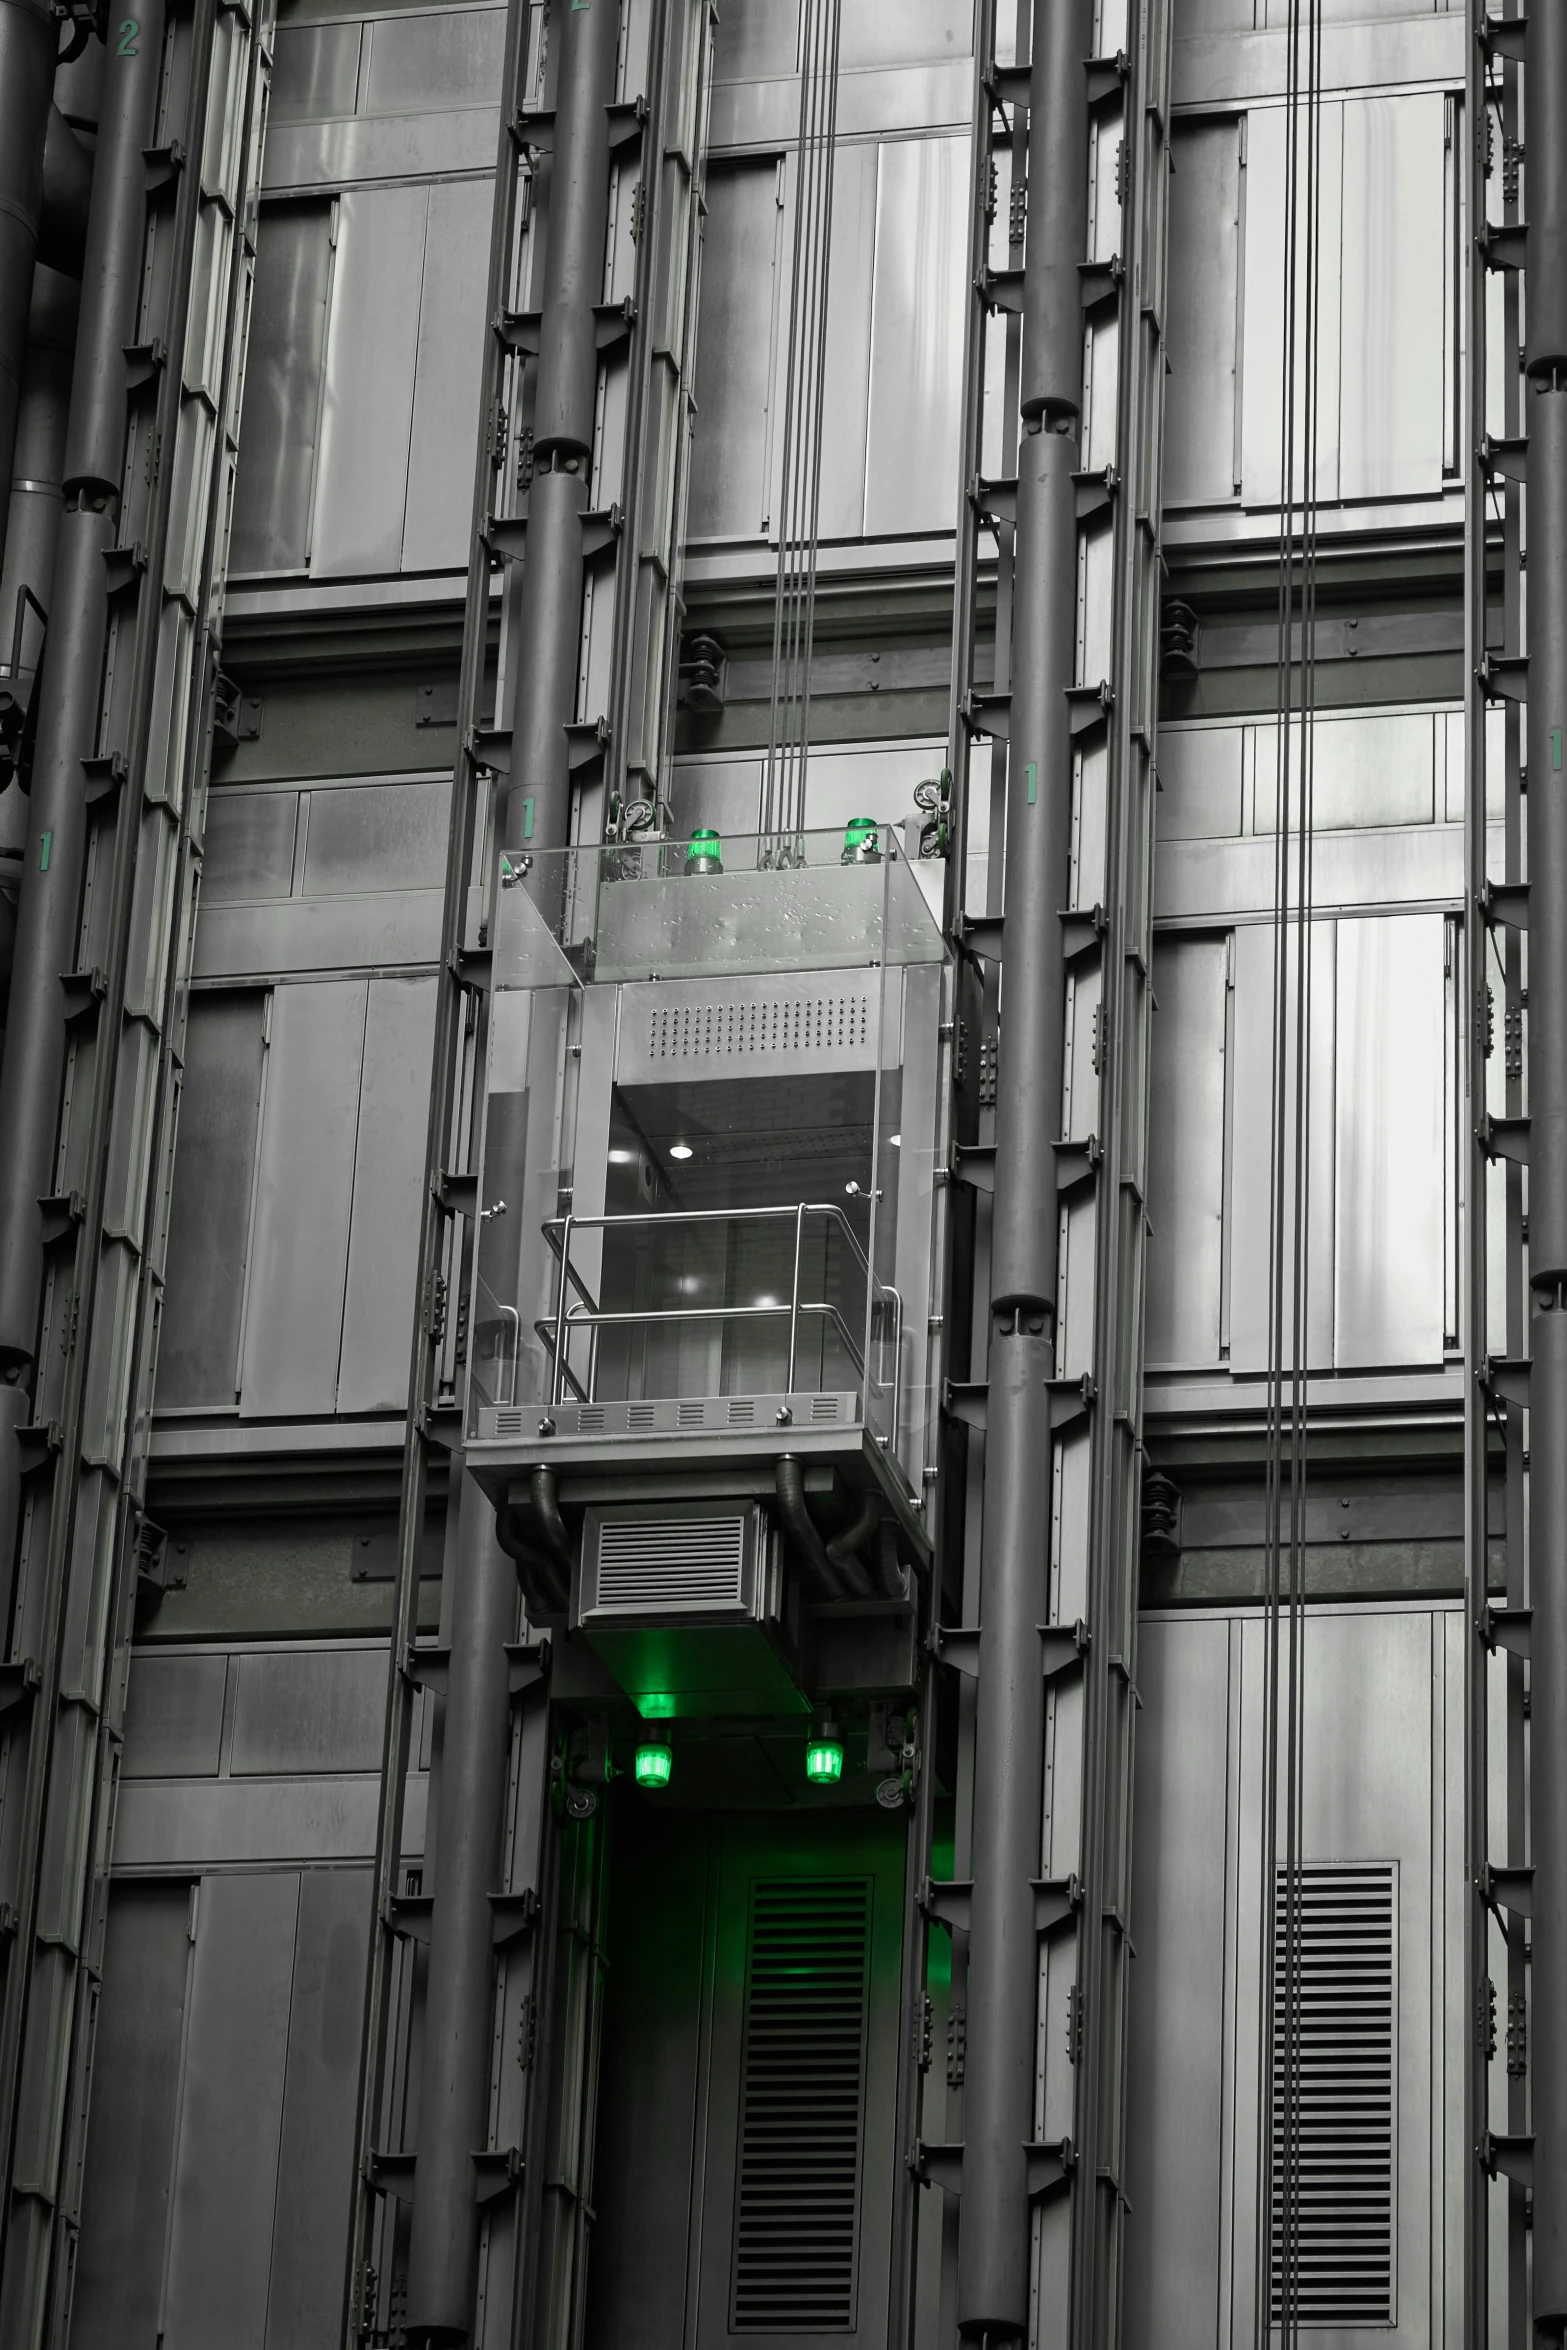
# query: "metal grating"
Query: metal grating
{"points": [[802, 2098], [671, 1562], [1345, 2025]]}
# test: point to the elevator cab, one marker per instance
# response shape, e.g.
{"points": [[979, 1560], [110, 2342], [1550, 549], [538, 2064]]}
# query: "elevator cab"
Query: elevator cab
{"points": [[702, 1338]]}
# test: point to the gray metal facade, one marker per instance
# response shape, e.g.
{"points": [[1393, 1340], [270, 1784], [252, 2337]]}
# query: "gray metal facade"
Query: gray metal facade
{"points": [[673, 873]]}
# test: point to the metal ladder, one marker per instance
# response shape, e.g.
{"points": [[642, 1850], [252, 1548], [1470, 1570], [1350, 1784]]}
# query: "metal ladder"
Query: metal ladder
{"points": [[84, 1540]]}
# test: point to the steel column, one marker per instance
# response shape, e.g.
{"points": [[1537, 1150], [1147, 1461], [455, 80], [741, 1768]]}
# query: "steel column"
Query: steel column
{"points": [[27, 54], [48, 907], [538, 803], [454, 2082], [1003, 1968]]}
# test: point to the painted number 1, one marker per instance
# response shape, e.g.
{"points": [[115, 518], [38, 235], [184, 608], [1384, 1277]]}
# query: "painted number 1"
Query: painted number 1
{"points": [[128, 32]]}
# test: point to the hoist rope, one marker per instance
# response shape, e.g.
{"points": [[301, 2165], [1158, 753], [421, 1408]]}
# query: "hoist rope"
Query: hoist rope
{"points": [[794, 601], [1279, 2178]]}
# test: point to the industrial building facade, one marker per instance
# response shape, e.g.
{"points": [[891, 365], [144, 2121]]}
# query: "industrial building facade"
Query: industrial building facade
{"points": [[783, 1174]]}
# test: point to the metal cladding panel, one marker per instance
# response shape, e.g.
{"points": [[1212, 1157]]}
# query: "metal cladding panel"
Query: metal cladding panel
{"points": [[736, 331], [278, 428], [1262, 440], [372, 837], [1248, 1238], [174, 1716], [378, 1300], [1200, 452], [306, 1710], [316, 2155], [304, 1188], [1187, 1135], [451, 347], [916, 342], [848, 359], [1368, 772], [130, 2139], [315, 71], [367, 405], [1396, 322], [1175, 2144], [446, 57], [1200, 780], [214, 1170], [248, 846], [231, 2113], [1389, 1131], [916, 32], [677, 1030], [756, 39]]}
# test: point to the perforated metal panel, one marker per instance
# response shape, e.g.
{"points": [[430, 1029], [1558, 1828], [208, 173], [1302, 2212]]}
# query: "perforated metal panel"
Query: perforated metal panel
{"points": [[748, 1028], [802, 2103], [1343, 2024]]}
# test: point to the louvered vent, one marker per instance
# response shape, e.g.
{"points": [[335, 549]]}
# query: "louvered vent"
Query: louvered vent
{"points": [[802, 2095], [671, 1562], [1344, 2028]]}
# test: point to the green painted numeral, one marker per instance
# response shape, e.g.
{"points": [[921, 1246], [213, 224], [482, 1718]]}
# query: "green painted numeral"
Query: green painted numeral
{"points": [[45, 843], [1556, 748], [1032, 774], [527, 820], [128, 32]]}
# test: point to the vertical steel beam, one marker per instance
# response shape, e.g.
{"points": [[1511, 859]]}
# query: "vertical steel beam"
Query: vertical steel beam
{"points": [[27, 53], [550, 616], [47, 911], [1003, 1968], [1545, 146]]}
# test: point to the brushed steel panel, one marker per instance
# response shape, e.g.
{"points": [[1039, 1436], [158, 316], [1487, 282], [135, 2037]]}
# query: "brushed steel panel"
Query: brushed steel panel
{"points": [[1203, 311], [331, 155], [378, 1303], [307, 1710], [846, 396], [248, 846], [1388, 1126], [916, 32], [299, 1247], [209, 1220], [376, 837], [315, 72], [1394, 317], [446, 379], [423, 62], [737, 325], [1211, 67], [174, 1715], [272, 486], [899, 98], [1199, 783], [166, 1824], [917, 336], [319, 934], [1176, 2055], [1186, 1150], [757, 38], [367, 405], [1368, 772], [1262, 336], [231, 2111], [1205, 879], [1248, 1239], [316, 2155]]}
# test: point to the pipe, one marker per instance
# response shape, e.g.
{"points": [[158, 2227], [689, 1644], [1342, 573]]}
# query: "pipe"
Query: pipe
{"points": [[847, 1548], [544, 1495], [459, 2018], [830, 1579], [36, 492], [27, 54], [539, 1579], [47, 912], [1003, 1966], [538, 800], [1545, 139], [62, 226]]}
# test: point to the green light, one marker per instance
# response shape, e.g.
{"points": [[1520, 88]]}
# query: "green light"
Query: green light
{"points": [[706, 853], [654, 1764], [861, 842], [824, 1761], [654, 1706]]}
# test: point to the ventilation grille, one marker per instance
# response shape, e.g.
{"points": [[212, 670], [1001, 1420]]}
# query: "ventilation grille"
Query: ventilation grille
{"points": [[802, 2094], [671, 1562], [1345, 2027], [777, 1024]]}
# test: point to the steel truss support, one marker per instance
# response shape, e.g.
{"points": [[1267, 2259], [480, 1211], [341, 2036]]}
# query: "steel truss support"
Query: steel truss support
{"points": [[1039, 2176], [90, 1082], [486, 2139]]}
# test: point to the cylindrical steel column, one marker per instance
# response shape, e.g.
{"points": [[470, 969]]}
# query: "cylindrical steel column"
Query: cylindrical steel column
{"points": [[27, 54], [1003, 1967], [1545, 407], [39, 463], [68, 697], [454, 2079], [538, 801]]}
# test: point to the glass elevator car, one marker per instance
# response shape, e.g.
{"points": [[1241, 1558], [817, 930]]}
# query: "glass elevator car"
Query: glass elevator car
{"points": [[701, 1398]]}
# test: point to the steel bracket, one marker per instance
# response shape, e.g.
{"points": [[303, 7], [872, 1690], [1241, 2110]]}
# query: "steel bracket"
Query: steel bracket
{"points": [[1507, 1627], [1001, 289], [123, 567], [527, 1666], [83, 991], [627, 122], [393, 2174], [532, 131], [586, 743], [1070, 1400], [496, 2172], [1509, 1889], [410, 1915], [1504, 677], [974, 1163], [37, 1443], [981, 935], [1509, 458], [472, 967], [1506, 901], [994, 501], [144, 363], [60, 1212], [612, 325], [938, 2166], [1511, 2157], [1505, 1138], [1095, 492], [1503, 36], [1101, 283], [948, 1901], [440, 1424], [1107, 76], [967, 1400], [1008, 85], [1506, 1378], [429, 1663], [1065, 1647], [1057, 1901], [19, 1678], [513, 1915], [1090, 707], [1504, 248], [956, 1645], [459, 1195], [490, 747], [1082, 932], [105, 774], [519, 331], [163, 165], [1050, 2169], [987, 714], [1077, 1164]]}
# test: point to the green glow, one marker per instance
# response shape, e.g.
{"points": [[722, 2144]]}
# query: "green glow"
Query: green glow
{"points": [[861, 841], [706, 853], [654, 1764], [654, 1706], [824, 1761]]}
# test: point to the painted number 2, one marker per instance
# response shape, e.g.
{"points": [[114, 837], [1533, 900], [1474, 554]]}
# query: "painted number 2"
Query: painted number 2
{"points": [[128, 32]]}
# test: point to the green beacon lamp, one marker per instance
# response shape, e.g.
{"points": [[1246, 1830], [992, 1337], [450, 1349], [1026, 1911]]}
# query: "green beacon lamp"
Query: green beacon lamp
{"points": [[706, 853], [654, 1763], [824, 1756], [861, 842]]}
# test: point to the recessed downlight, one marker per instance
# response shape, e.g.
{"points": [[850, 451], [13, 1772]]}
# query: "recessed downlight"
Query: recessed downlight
{"points": [[680, 1150]]}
